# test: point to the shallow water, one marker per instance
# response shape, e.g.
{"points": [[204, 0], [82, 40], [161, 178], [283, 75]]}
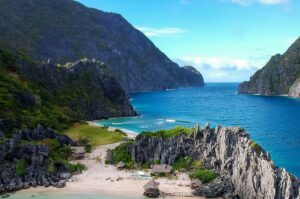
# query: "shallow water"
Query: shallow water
{"points": [[274, 122]]}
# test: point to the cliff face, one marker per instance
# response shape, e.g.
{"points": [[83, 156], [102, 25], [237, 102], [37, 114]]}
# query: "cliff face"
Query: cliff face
{"points": [[65, 31], [231, 153], [278, 76]]}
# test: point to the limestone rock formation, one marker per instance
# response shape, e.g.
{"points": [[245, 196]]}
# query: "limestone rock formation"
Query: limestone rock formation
{"points": [[26, 163], [231, 153]]}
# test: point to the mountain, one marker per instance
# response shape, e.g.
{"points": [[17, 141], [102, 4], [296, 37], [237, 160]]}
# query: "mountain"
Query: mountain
{"points": [[281, 75], [55, 96], [65, 31]]}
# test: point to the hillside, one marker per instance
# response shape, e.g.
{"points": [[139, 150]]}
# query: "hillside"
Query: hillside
{"points": [[55, 96], [65, 31], [281, 75]]}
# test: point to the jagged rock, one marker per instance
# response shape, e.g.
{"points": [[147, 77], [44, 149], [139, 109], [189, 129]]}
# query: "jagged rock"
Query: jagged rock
{"points": [[218, 188], [61, 184], [36, 158], [231, 153]]}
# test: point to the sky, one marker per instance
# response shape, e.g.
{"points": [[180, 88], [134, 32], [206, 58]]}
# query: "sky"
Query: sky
{"points": [[226, 40]]}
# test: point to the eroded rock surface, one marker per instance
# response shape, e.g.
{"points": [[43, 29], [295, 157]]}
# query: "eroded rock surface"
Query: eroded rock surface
{"points": [[231, 153]]}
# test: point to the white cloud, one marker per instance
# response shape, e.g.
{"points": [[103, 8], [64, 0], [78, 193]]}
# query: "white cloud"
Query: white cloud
{"points": [[218, 63], [266, 2], [158, 32]]}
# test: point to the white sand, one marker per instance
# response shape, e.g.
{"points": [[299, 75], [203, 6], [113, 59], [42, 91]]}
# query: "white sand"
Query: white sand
{"points": [[102, 179]]}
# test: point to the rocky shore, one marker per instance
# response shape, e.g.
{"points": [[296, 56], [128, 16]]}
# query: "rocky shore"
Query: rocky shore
{"points": [[245, 170], [27, 159]]}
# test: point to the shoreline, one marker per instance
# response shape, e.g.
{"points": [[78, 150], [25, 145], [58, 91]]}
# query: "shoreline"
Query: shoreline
{"points": [[106, 181], [130, 134]]}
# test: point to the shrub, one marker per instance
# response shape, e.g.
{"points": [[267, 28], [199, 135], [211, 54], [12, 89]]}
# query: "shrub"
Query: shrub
{"points": [[177, 131], [122, 153], [156, 162], [183, 163], [74, 167], [256, 147], [21, 167], [206, 176]]}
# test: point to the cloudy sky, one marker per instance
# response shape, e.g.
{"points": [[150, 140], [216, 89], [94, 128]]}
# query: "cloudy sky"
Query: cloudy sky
{"points": [[227, 40]]}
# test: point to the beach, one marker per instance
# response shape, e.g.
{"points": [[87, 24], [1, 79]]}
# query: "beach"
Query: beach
{"points": [[101, 179]]}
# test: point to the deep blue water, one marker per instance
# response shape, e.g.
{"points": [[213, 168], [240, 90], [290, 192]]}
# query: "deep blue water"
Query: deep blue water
{"points": [[274, 122]]}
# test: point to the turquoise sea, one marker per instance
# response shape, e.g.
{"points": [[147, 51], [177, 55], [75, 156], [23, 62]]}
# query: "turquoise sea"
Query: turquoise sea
{"points": [[273, 122]]}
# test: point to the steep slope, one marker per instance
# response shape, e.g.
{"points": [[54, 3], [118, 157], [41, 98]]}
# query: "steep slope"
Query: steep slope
{"points": [[55, 96], [278, 77], [66, 31]]}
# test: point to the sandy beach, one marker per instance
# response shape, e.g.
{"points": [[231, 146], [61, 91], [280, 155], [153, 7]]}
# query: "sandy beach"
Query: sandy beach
{"points": [[107, 180]]}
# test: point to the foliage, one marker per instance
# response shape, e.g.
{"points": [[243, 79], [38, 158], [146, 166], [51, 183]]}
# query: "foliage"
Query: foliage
{"points": [[78, 167], [177, 131], [256, 147], [15, 89], [122, 153], [183, 163], [21, 167], [156, 162], [86, 143], [206, 176], [96, 135]]}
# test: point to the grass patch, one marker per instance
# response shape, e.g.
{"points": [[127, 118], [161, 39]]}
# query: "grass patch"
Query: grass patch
{"points": [[206, 176], [177, 131], [96, 135]]}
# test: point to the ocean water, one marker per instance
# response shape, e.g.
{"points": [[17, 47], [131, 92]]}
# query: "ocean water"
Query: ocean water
{"points": [[273, 122]]}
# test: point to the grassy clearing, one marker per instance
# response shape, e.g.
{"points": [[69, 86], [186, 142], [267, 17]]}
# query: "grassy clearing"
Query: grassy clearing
{"points": [[96, 135]]}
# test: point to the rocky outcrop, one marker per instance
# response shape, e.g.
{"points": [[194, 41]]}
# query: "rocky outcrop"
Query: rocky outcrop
{"points": [[231, 153], [278, 77], [86, 86], [77, 31], [24, 163], [295, 89]]}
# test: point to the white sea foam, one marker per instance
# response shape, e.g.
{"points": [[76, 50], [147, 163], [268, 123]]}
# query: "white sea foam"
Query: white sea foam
{"points": [[170, 120]]}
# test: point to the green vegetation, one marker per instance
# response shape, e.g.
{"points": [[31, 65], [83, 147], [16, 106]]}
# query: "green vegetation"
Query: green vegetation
{"points": [[28, 103], [21, 167], [96, 135], [256, 147], [183, 164], [206, 176], [177, 131], [122, 153]]}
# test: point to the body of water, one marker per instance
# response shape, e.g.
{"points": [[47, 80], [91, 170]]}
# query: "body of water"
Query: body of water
{"points": [[273, 122]]}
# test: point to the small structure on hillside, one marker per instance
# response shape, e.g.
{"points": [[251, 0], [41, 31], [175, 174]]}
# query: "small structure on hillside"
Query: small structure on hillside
{"points": [[151, 189], [121, 165], [159, 169], [78, 152]]}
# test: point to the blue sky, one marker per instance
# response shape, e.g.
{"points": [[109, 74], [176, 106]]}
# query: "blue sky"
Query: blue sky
{"points": [[226, 40]]}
